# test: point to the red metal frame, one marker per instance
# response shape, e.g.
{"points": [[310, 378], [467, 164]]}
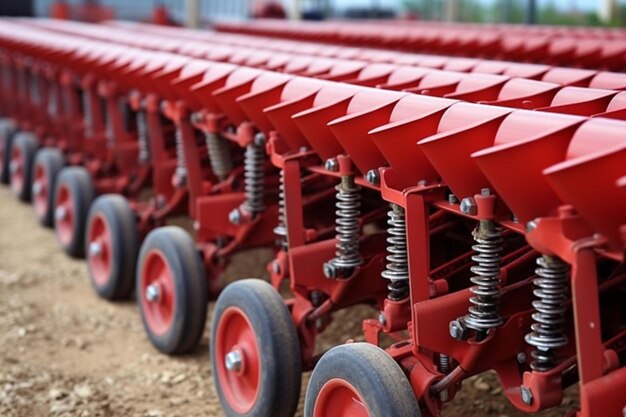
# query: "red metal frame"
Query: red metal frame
{"points": [[553, 182]]}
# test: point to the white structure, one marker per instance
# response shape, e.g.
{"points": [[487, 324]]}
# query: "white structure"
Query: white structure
{"points": [[607, 9]]}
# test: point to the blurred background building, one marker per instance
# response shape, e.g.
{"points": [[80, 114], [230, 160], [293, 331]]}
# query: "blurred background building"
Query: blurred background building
{"points": [[565, 12]]}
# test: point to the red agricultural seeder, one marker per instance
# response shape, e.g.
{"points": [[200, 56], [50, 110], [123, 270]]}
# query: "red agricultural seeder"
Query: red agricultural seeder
{"points": [[460, 272], [582, 47], [484, 225]]}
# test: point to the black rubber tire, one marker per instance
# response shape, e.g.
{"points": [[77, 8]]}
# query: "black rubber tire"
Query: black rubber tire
{"points": [[278, 344], [52, 161], [378, 379], [7, 131], [124, 245], [190, 289], [27, 143], [78, 181]]}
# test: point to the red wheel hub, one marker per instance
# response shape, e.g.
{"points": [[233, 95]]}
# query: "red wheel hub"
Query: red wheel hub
{"points": [[17, 170], [238, 360], [340, 399], [99, 250], [157, 293], [41, 190], [64, 215]]}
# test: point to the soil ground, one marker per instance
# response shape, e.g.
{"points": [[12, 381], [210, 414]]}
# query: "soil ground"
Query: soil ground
{"points": [[65, 352]]}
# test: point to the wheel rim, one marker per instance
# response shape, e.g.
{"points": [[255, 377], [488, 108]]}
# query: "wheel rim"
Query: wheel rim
{"points": [[64, 213], [157, 293], [99, 250], [241, 383], [41, 190], [339, 398], [16, 167]]}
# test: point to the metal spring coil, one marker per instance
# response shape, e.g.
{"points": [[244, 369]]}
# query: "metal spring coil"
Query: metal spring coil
{"points": [[548, 333], [397, 268], [181, 163], [348, 204], [142, 136], [87, 113], [484, 313], [281, 229], [219, 155], [22, 84], [254, 169], [53, 95], [35, 93], [444, 363], [108, 129]]}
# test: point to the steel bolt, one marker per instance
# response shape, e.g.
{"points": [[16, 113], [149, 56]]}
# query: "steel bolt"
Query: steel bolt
{"points": [[152, 293], [160, 201], [330, 271], [233, 361], [452, 199], [382, 319], [521, 357], [60, 213], [485, 191], [95, 248], [422, 183], [276, 267], [530, 226], [259, 139], [196, 117], [457, 330], [468, 206], [235, 216], [372, 177], [527, 395], [332, 165]]}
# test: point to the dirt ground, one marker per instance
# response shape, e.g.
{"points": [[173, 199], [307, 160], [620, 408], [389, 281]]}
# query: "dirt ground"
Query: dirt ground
{"points": [[64, 352]]}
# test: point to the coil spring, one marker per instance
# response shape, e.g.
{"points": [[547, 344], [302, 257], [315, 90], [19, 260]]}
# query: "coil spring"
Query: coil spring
{"points": [[397, 268], [53, 104], [35, 92], [87, 113], [142, 136], [108, 128], [67, 100], [254, 172], [484, 313], [181, 163], [348, 204], [219, 155], [281, 229], [548, 333], [444, 363]]}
